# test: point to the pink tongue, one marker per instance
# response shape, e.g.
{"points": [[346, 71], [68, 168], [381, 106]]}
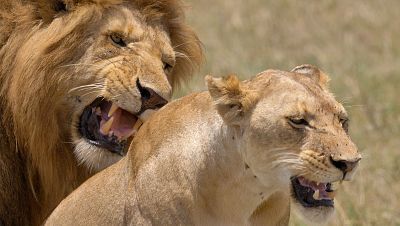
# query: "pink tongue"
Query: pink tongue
{"points": [[123, 123], [312, 184]]}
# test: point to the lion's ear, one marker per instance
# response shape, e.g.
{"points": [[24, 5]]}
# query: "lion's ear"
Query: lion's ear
{"points": [[48, 9], [231, 97], [314, 73]]}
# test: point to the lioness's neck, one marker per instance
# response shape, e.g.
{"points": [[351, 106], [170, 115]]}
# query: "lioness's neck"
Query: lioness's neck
{"points": [[233, 191], [222, 187]]}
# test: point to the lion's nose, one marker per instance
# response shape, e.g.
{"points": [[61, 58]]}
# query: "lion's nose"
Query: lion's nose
{"points": [[345, 165], [150, 99]]}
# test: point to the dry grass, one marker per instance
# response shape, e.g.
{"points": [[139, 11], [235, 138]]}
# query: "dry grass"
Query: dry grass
{"points": [[357, 43]]}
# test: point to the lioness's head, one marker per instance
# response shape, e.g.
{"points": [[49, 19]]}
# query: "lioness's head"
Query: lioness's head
{"points": [[89, 71], [293, 134]]}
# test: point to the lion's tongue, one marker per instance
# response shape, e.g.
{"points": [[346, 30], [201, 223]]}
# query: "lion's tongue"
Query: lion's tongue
{"points": [[118, 122]]}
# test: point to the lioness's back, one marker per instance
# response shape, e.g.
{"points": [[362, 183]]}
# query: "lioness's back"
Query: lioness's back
{"points": [[98, 201]]}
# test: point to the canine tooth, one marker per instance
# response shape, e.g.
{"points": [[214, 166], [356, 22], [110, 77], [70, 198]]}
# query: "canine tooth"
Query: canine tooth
{"points": [[107, 126], [98, 111], [137, 124], [331, 195], [316, 195], [113, 108]]}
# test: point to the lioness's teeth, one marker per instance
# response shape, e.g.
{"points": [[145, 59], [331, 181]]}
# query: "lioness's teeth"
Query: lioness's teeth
{"points": [[137, 124], [335, 185], [331, 195], [113, 108], [105, 128], [316, 195]]}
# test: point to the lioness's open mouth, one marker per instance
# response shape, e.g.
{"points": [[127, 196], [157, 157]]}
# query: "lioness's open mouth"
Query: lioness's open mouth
{"points": [[108, 126], [313, 194]]}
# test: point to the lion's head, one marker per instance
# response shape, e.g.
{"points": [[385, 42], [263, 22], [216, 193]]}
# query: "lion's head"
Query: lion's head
{"points": [[293, 134], [92, 67], [76, 76]]}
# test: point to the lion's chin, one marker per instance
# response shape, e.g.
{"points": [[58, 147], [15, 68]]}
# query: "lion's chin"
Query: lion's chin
{"points": [[93, 157]]}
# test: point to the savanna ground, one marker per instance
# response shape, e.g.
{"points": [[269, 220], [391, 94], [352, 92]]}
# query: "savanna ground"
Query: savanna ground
{"points": [[357, 43]]}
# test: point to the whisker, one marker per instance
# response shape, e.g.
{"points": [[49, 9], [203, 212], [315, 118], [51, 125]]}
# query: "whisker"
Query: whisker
{"points": [[181, 44], [184, 56], [80, 64], [89, 93], [86, 87]]}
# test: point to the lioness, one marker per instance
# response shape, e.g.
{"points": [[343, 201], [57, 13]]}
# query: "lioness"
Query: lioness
{"points": [[235, 155], [75, 76]]}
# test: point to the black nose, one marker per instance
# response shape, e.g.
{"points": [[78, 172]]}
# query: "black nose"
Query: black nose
{"points": [[150, 99], [345, 165]]}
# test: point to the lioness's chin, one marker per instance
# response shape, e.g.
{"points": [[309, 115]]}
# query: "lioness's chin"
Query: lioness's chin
{"points": [[314, 200], [93, 157], [314, 215]]}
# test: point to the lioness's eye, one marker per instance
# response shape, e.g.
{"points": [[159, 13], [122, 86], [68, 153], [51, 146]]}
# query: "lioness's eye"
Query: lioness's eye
{"points": [[117, 40], [345, 124], [298, 123]]}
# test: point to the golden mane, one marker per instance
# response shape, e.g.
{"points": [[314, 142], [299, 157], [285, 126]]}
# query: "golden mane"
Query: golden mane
{"points": [[30, 127]]}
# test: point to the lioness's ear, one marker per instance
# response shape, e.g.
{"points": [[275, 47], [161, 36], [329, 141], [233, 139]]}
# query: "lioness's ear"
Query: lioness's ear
{"points": [[314, 73], [231, 97]]}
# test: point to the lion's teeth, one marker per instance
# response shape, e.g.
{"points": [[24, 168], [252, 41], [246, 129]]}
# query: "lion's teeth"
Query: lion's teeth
{"points": [[112, 110], [137, 124], [105, 128], [316, 195], [98, 111]]}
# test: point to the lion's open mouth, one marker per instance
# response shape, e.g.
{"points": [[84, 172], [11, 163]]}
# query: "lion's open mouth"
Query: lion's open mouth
{"points": [[108, 126], [313, 194]]}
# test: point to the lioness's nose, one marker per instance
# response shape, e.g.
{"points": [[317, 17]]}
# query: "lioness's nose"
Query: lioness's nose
{"points": [[345, 165], [150, 99]]}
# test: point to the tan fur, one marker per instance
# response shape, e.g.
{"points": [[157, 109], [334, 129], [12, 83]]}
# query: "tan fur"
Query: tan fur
{"points": [[56, 57], [205, 166]]}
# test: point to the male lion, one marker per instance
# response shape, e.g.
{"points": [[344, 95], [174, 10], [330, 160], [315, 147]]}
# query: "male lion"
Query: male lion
{"points": [[75, 76], [233, 156]]}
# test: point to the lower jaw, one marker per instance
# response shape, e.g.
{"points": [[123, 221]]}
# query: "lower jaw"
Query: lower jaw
{"points": [[93, 157], [314, 215]]}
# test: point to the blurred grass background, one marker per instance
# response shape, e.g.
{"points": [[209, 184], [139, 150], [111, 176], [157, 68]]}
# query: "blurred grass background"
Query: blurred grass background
{"points": [[357, 43]]}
